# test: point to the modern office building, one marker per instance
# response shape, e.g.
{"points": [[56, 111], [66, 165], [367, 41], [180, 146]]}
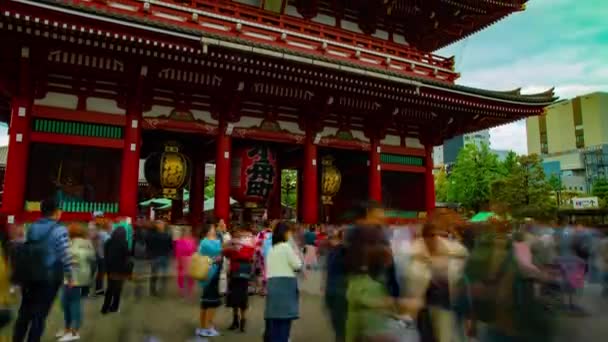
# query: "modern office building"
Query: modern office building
{"points": [[452, 147], [572, 137]]}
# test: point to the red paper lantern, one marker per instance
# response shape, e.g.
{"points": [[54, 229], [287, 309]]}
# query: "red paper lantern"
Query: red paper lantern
{"points": [[254, 175]]}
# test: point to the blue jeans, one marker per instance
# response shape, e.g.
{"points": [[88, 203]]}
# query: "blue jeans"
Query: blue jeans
{"points": [[71, 303], [277, 330], [36, 302], [160, 266]]}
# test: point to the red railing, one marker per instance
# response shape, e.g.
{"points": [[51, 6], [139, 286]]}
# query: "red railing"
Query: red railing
{"points": [[289, 33], [249, 13]]}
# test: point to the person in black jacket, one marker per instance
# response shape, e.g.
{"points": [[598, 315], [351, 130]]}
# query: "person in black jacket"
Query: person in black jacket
{"points": [[160, 246], [118, 267]]}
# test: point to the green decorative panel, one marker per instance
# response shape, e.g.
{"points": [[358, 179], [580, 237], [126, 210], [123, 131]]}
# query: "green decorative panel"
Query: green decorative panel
{"points": [[78, 206], [89, 207], [78, 128], [401, 160]]}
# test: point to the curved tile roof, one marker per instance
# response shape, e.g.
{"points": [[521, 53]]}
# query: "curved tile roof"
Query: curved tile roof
{"points": [[541, 99]]}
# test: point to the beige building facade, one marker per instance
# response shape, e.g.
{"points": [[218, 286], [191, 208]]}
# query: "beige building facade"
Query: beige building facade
{"points": [[571, 125], [572, 138]]}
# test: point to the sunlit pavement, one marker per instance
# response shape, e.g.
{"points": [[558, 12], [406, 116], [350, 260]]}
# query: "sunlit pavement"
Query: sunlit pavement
{"points": [[173, 319]]}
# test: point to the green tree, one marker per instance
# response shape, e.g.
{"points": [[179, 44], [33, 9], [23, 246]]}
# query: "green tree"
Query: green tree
{"points": [[600, 189], [510, 163], [475, 170], [556, 185], [525, 191], [289, 187], [209, 187], [441, 186]]}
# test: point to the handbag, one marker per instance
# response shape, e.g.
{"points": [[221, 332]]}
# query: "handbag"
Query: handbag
{"points": [[199, 267]]}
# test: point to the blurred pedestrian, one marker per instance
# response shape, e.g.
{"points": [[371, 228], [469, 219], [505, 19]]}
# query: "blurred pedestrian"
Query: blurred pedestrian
{"points": [[602, 264], [282, 301], [99, 243], [83, 255], [263, 241], [119, 268], [335, 285], [372, 310], [42, 263], [185, 246], [240, 251], [310, 248], [211, 247], [160, 246], [141, 264]]}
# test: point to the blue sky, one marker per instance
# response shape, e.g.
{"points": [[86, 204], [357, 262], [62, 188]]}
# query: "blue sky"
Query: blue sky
{"points": [[554, 43]]}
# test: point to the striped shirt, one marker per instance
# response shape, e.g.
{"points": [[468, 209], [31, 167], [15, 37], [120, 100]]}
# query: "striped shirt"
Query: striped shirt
{"points": [[58, 242]]}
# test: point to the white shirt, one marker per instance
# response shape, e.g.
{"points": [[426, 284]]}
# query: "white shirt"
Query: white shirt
{"points": [[282, 261]]}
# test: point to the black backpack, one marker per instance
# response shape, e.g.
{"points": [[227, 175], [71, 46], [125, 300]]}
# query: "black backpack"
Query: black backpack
{"points": [[30, 261]]}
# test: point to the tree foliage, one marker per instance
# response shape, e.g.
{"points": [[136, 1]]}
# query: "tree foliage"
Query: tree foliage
{"points": [[525, 191], [441, 186], [289, 187], [600, 189], [516, 185], [470, 181], [209, 187]]}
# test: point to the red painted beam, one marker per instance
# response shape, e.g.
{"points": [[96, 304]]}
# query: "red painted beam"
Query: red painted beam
{"points": [[402, 168], [62, 139], [403, 151], [78, 115], [258, 134], [151, 123]]}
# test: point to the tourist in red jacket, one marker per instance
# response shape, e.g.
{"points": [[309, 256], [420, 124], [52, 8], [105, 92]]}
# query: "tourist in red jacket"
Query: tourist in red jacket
{"points": [[240, 251]]}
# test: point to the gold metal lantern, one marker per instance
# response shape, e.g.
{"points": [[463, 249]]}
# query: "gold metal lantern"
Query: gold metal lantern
{"points": [[331, 178], [168, 170]]}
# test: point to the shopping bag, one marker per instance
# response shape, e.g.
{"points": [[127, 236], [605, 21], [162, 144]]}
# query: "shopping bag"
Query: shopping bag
{"points": [[200, 266]]}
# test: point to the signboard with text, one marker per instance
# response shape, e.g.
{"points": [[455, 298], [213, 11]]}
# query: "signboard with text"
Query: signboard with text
{"points": [[585, 202]]}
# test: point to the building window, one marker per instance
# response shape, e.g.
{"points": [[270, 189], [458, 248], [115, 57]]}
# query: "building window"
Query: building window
{"points": [[577, 114], [580, 138], [544, 143]]}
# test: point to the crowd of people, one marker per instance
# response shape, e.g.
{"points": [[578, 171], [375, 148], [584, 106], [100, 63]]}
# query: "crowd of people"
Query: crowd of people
{"points": [[439, 281]]}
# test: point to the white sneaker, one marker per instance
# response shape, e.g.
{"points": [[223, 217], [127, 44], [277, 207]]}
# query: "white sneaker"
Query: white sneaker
{"points": [[61, 333], [213, 332], [69, 337]]}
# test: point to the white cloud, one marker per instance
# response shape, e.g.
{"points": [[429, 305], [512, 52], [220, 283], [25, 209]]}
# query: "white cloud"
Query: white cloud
{"points": [[510, 137], [562, 46]]}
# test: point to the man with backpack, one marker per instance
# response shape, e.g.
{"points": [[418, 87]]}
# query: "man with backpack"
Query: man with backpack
{"points": [[42, 264]]}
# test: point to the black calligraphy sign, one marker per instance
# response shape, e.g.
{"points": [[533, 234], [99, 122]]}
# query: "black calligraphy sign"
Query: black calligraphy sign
{"points": [[261, 173]]}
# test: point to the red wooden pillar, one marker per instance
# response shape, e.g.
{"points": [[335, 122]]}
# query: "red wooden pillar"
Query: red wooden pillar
{"points": [[300, 195], [129, 176], [375, 172], [197, 193], [13, 199], [310, 197], [222, 174], [429, 180]]}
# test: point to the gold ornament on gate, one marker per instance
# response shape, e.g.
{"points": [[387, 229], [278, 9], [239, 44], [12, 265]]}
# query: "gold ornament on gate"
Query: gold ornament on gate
{"points": [[331, 178]]}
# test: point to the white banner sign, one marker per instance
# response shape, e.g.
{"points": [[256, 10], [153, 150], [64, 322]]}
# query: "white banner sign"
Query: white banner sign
{"points": [[585, 202]]}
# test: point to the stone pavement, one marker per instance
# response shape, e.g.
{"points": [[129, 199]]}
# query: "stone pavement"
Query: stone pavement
{"points": [[173, 319]]}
